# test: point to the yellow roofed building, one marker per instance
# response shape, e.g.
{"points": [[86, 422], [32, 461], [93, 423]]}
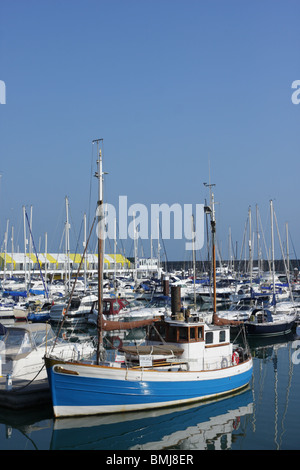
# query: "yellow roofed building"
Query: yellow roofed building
{"points": [[55, 262]]}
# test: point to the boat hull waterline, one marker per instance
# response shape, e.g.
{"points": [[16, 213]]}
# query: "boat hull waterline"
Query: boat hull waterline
{"points": [[81, 389]]}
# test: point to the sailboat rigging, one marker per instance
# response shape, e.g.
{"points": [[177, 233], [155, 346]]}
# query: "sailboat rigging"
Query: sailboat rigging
{"points": [[263, 322], [74, 283], [31, 237]]}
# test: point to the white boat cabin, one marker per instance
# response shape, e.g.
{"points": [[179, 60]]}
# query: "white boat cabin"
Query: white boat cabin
{"points": [[193, 344], [204, 346]]}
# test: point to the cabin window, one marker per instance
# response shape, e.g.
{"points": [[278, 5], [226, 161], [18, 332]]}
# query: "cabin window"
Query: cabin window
{"points": [[172, 336], [200, 333], [209, 337], [183, 334], [157, 333], [75, 304], [41, 337], [222, 336], [192, 334]]}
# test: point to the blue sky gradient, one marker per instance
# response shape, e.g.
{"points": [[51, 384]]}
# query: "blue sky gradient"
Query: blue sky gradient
{"points": [[180, 91]]}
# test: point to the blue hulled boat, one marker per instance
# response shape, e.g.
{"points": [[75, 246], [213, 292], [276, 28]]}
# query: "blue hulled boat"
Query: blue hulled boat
{"points": [[183, 360]]}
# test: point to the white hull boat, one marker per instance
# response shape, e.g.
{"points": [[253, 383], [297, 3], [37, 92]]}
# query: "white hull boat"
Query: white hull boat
{"points": [[23, 347]]}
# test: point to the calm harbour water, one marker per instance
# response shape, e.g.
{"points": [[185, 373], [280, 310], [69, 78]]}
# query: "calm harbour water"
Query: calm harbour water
{"points": [[266, 416]]}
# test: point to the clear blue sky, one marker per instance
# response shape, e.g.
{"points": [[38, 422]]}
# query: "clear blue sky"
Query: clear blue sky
{"points": [[174, 87]]}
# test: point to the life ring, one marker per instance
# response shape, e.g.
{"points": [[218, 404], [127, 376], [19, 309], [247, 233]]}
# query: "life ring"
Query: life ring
{"points": [[235, 358], [116, 342]]}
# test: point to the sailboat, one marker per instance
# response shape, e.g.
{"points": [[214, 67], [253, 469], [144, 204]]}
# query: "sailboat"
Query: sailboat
{"points": [[263, 322], [183, 360]]}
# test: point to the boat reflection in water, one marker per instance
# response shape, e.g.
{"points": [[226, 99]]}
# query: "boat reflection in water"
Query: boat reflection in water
{"points": [[198, 427]]}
